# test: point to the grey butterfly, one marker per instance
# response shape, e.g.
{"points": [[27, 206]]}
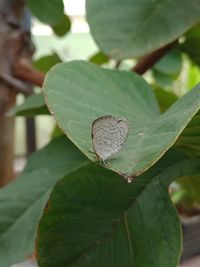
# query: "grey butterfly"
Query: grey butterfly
{"points": [[108, 135]]}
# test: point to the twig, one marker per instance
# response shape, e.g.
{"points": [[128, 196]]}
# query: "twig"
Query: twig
{"points": [[25, 71], [149, 60], [18, 85], [117, 64]]}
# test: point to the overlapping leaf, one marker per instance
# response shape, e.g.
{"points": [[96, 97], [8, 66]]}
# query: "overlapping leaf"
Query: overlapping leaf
{"points": [[33, 105], [189, 140], [47, 11], [191, 45], [46, 62], [95, 218], [99, 58], [134, 28], [79, 92], [22, 202]]}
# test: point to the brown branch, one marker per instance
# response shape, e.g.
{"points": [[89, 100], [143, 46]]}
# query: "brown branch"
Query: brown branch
{"points": [[149, 60], [117, 64], [16, 84], [11, 42], [26, 72]]}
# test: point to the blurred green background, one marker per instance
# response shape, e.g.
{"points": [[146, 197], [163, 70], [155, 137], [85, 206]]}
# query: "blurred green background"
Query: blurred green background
{"points": [[77, 44]]}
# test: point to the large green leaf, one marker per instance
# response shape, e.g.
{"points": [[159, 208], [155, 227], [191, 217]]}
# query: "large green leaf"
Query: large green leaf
{"points": [[47, 11], [33, 105], [22, 202], [95, 218], [133, 28], [79, 92]]}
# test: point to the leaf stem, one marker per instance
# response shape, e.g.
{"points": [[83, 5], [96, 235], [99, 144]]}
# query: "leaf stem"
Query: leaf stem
{"points": [[146, 62]]}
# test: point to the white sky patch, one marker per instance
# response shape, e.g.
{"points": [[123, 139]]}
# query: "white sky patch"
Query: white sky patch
{"points": [[40, 29], [75, 7]]}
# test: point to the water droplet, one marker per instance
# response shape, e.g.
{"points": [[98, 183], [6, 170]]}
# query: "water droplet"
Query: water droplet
{"points": [[129, 179]]}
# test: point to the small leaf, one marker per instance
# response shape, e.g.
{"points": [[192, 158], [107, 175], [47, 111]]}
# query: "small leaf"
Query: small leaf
{"points": [[99, 58], [56, 132], [95, 218], [78, 92], [163, 80], [33, 105], [47, 11], [193, 76], [63, 26], [191, 45], [170, 64], [136, 28], [23, 201], [46, 62], [164, 98]]}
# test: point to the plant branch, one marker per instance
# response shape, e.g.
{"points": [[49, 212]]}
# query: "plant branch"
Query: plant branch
{"points": [[26, 72], [16, 84], [117, 64], [146, 62]]}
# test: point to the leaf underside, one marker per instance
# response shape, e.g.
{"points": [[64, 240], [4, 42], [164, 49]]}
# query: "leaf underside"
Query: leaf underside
{"points": [[139, 27]]}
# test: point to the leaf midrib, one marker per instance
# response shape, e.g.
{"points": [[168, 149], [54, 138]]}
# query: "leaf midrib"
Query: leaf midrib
{"points": [[112, 226]]}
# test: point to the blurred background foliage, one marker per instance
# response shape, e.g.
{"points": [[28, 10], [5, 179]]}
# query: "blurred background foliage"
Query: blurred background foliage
{"points": [[61, 37]]}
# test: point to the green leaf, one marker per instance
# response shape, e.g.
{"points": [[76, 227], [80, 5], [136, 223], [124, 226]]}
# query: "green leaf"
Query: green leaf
{"points": [[191, 45], [46, 62], [23, 201], [47, 11], [163, 80], [135, 28], [189, 140], [170, 64], [193, 76], [99, 58], [56, 132], [63, 26], [95, 218], [79, 92], [164, 98], [33, 105], [189, 200]]}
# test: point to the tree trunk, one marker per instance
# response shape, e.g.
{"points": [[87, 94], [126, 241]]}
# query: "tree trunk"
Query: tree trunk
{"points": [[11, 43]]}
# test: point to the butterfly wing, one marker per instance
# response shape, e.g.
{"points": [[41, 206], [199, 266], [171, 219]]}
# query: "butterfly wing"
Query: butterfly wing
{"points": [[108, 135]]}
